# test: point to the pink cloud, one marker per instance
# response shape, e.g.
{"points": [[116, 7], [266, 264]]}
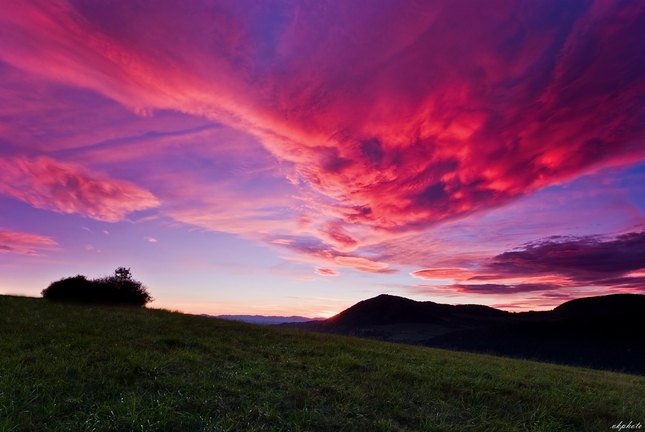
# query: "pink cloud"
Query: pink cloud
{"points": [[364, 264], [67, 188], [314, 251], [444, 273], [24, 243], [326, 272]]}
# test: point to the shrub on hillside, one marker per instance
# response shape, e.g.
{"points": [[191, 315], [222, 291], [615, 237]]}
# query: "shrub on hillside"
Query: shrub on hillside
{"points": [[120, 288]]}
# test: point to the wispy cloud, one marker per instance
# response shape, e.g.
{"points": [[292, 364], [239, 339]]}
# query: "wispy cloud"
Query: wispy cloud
{"points": [[24, 243]]}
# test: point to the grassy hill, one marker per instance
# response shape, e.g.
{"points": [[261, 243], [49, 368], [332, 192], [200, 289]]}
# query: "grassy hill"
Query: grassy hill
{"points": [[71, 367]]}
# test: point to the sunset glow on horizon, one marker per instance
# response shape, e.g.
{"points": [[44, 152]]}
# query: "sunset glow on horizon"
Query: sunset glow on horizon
{"points": [[286, 157]]}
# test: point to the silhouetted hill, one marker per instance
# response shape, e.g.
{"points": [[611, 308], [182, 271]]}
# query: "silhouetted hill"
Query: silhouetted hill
{"points": [[615, 304], [601, 332], [386, 309], [389, 310]]}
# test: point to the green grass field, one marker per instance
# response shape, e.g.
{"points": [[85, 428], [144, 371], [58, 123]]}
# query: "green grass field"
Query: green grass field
{"points": [[78, 368]]}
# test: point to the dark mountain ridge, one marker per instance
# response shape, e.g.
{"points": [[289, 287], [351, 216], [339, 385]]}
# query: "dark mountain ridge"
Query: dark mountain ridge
{"points": [[603, 332], [387, 309], [614, 304]]}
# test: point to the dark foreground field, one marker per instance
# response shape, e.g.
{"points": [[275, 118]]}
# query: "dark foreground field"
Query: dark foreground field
{"points": [[76, 368]]}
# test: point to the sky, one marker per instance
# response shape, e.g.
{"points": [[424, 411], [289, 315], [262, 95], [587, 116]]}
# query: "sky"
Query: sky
{"points": [[293, 157]]}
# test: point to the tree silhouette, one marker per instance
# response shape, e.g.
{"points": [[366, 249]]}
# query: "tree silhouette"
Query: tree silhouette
{"points": [[120, 288], [123, 274]]}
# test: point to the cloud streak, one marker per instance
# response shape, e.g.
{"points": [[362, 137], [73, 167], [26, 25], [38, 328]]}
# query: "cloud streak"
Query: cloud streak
{"points": [[494, 289], [24, 243], [326, 272], [553, 264]]}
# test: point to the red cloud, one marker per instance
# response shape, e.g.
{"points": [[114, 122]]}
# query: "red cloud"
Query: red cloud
{"points": [[400, 118], [24, 243], [67, 188]]}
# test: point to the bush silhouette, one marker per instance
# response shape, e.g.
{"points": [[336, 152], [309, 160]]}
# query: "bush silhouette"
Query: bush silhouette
{"points": [[120, 288]]}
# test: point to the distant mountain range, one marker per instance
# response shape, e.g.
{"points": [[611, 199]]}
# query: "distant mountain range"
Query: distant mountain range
{"points": [[265, 320], [603, 332]]}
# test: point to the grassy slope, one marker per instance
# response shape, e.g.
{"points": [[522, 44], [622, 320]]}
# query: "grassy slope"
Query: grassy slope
{"points": [[65, 367]]}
